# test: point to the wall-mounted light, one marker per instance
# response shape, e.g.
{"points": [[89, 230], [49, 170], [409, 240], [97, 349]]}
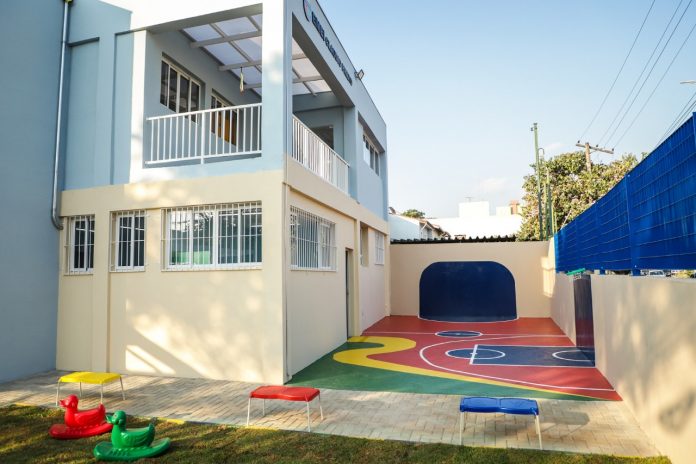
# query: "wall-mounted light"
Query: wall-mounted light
{"points": [[359, 74]]}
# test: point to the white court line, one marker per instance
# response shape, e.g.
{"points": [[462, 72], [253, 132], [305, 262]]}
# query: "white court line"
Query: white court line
{"points": [[531, 365], [473, 354], [502, 379], [555, 355]]}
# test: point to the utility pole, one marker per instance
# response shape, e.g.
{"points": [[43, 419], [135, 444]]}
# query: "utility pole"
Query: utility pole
{"points": [[588, 150], [537, 168]]}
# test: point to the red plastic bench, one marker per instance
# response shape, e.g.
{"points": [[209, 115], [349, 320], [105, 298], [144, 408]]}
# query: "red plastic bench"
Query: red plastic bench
{"points": [[270, 392]]}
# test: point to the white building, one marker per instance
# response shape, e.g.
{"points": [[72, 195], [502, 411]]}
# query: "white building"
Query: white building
{"points": [[475, 220], [408, 228], [224, 202]]}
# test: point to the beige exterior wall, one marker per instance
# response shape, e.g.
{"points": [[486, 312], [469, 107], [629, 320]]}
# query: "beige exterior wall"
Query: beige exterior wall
{"points": [[527, 261], [214, 324], [645, 342], [74, 337], [645, 346], [563, 305], [372, 279], [316, 301]]}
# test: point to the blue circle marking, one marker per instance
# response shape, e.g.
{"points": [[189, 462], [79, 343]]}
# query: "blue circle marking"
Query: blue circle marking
{"points": [[481, 353], [458, 333]]}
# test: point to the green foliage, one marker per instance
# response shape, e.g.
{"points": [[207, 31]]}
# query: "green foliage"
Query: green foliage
{"points": [[573, 189], [413, 213]]}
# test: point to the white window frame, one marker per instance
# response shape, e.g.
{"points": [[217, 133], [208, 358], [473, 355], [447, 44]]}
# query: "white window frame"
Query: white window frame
{"points": [[192, 80], [247, 215], [87, 246], [370, 154], [312, 248], [133, 243], [380, 240]]}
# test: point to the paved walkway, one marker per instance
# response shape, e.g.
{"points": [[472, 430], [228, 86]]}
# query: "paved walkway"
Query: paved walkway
{"points": [[575, 426]]}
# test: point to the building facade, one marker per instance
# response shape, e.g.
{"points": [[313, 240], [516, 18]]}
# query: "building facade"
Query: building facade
{"points": [[408, 228], [29, 275], [225, 190]]}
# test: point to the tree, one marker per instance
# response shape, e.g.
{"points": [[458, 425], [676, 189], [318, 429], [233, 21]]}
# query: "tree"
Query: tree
{"points": [[573, 189], [413, 213]]}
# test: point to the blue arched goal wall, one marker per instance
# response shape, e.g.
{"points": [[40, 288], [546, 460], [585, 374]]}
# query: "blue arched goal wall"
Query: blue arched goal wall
{"points": [[467, 291]]}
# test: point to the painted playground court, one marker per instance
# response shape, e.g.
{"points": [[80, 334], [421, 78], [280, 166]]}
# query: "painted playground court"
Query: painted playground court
{"points": [[527, 357]]}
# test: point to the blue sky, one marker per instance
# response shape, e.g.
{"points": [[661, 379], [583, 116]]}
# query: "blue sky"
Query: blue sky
{"points": [[459, 84]]}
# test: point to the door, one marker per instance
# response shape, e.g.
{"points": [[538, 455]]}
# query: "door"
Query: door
{"points": [[349, 280]]}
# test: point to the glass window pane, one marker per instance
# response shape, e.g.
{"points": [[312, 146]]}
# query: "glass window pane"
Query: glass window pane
{"points": [[90, 244], [202, 238], [79, 238], [139, 242], [173, 79], [195, 98], [227, 239], [125, 231], [179, 228], [183, 94], [163, 83]]}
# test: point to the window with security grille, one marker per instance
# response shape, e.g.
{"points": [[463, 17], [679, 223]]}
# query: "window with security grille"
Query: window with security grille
{"points": [[80, 245], [379, 247], [128, 241], [213, 237], [312, 241]]}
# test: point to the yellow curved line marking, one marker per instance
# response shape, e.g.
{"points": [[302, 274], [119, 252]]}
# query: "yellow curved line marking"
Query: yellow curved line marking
{"points": [[359, 357]]}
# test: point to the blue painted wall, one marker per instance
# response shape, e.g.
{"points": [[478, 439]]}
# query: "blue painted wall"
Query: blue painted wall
{"points": [[30, 36], [467, 291]]}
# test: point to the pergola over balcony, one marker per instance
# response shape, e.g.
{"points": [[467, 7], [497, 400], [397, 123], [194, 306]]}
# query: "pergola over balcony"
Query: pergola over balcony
{"points": [[235, 131], [236, 45]]}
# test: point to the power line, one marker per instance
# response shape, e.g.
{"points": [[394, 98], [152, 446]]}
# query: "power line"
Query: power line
{"points": [[656, 87], [618, 73], [678, 121], [645, 81], [640, 76]]}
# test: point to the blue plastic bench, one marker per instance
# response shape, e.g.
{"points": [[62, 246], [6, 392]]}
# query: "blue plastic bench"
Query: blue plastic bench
{"points": [[504, 405]]}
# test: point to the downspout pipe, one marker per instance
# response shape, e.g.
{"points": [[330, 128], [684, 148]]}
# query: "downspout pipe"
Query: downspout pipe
{"points": [[55, 217]]}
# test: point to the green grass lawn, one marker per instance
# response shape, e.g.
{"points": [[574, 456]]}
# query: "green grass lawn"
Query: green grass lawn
{"points": [[24, 438]]}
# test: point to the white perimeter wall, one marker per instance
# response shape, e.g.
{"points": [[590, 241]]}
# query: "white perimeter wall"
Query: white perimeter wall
{"points": [[645, 343], [528, 262]]}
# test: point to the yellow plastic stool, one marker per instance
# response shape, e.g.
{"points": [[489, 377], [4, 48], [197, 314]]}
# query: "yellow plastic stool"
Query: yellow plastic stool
{"points": [[94, 378]]}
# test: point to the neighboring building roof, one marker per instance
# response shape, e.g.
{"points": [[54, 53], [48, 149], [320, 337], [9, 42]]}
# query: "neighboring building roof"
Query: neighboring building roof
{"points": [[510, 238], [417, 223]]}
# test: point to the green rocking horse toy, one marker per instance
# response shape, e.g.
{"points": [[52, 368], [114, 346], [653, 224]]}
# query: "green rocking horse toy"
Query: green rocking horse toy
{"points": [[130, 445]]}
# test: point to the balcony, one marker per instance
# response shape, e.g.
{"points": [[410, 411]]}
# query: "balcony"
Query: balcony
{"points": [[231, 132], [200, 136], [317, 156]]}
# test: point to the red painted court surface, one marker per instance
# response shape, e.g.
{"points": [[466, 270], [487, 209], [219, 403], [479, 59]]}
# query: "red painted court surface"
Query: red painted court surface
{"points": [[532, 353]]}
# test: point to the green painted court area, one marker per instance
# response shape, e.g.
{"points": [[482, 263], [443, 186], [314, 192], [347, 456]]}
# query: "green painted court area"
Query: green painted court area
{"points": [[328, 373]]}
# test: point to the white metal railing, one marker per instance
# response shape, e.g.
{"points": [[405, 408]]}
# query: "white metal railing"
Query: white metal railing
{"points": [[205, 134], [314, 154]]}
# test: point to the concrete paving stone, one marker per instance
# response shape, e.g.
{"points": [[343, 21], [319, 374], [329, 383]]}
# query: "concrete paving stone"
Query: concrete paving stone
{"points": [[574, 426]]}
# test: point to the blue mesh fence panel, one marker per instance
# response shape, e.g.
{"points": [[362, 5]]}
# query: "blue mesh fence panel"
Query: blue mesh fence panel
{"points": [[647, 221]]}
